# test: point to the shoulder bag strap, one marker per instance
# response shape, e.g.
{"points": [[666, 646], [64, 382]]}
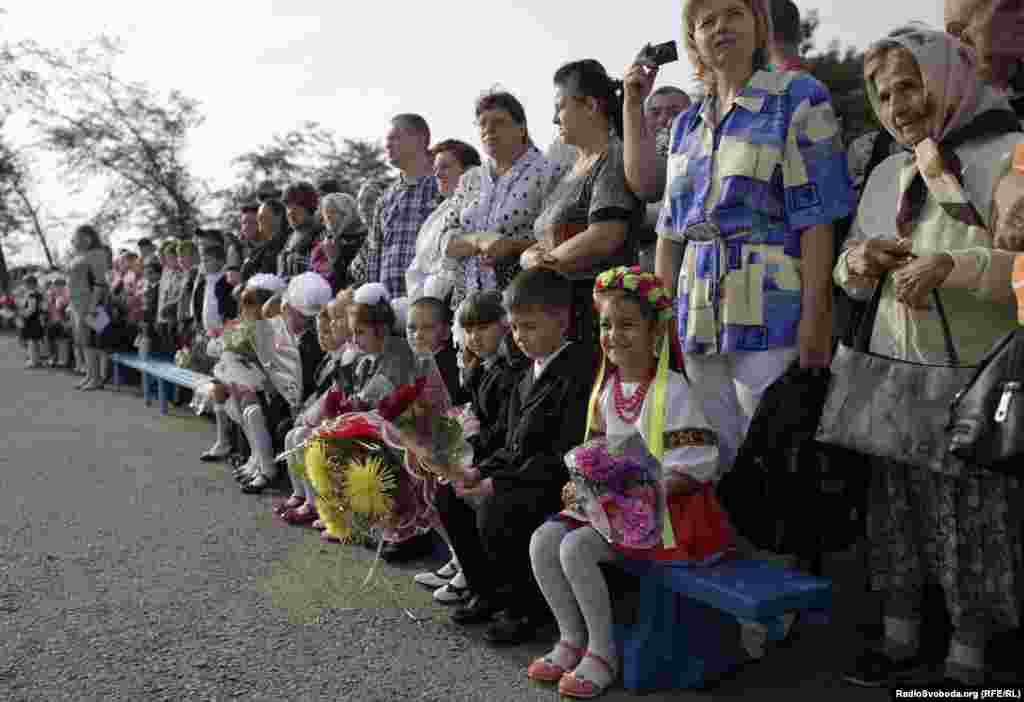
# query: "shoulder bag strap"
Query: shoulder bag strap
{"points": [[862, 342]]}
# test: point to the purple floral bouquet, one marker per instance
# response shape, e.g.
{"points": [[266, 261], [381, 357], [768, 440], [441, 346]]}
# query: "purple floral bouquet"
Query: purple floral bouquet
{"points": [[616, 488]]}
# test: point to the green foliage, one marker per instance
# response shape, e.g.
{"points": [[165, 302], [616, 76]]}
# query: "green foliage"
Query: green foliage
{"points": [[842, 72], [312, 152], [103, 127]]}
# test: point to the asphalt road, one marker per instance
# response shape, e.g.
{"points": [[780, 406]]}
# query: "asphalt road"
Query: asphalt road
{"points": [[131, 571]]}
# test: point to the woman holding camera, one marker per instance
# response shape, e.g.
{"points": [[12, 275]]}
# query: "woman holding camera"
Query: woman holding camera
{"points": [[755, 178]]}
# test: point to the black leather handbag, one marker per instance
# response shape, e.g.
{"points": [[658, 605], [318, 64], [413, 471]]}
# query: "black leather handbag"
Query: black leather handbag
{"points": [[986, 426], [892, 408]]}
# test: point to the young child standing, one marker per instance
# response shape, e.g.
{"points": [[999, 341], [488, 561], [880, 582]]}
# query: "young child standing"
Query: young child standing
{"points": [[520, 484], [31, 311], [212, 305], [149, 340], [189, 262], [634, 308], [58, 324]]}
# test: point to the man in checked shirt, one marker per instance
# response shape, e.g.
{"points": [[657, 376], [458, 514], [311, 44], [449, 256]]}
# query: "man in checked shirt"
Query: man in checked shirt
{"points": [[401, 211]]}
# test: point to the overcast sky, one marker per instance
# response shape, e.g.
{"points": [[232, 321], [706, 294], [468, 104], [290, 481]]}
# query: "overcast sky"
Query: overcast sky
{"points": [[261, 66]]}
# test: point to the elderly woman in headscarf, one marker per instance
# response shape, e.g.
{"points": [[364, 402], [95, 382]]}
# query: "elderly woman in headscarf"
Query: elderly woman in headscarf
{"points": [[924, 220], [366, 203], [342, 236]]}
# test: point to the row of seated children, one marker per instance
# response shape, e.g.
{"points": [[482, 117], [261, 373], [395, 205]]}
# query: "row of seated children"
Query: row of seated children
{"points": [[303, 349], [522, 558]]}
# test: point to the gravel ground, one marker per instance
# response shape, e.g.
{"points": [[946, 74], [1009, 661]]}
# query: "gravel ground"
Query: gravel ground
{"points": [[131, 571]]}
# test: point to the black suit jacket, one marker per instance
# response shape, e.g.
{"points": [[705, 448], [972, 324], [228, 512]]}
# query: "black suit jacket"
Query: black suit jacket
{"points": [[448, 364], [546, 418], [491, 390]]}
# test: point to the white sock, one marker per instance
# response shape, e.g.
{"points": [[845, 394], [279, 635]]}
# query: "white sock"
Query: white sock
{"points": [[223, 443], [310, 492], [260, 441]]}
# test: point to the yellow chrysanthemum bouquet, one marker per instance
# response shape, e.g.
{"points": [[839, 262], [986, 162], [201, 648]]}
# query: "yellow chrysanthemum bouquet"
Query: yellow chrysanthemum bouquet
{"points": [[356, 476]]}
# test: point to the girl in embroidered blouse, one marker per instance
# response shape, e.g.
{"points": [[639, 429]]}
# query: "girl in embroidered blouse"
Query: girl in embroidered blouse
{"points": [[634, 308], [496, 226], [756, 176]]}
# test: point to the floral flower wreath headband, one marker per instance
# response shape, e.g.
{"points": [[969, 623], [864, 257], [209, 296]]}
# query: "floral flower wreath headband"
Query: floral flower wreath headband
{"points": [[647, 286]]}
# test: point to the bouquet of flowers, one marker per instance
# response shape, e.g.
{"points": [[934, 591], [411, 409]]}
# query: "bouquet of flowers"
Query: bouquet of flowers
{"points": [[366, 468], [418, 429], [356, 476], [183, 357], [239, 338], [237, 362], [616, 488]]}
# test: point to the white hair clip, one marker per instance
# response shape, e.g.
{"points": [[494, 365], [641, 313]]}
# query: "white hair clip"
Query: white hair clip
{"points": [[308, 293], [372, 294], [265, 281]]}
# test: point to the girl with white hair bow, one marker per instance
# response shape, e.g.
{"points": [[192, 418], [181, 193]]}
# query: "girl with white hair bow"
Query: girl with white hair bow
{"points": [[289, 351]]}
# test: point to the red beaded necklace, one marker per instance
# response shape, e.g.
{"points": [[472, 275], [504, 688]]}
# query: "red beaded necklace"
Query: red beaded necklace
{"points": [[629, 409]]}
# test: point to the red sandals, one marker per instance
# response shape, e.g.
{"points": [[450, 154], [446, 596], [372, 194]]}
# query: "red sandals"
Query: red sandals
{"points": [[574, 685], [543, 670]]}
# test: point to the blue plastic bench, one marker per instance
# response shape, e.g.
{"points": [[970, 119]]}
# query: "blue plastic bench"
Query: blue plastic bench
{"points": [[679, 627], [158, 368]]}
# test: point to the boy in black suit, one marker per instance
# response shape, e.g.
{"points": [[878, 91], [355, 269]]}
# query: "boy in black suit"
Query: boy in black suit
{"points": [[520, 484]]}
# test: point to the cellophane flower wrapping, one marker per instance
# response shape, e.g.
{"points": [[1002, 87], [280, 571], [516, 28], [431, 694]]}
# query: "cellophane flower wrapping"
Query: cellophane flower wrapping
{"points": [[616, 488], [356, 476], [423, 424], [239, 337], [183, 357], [237, 362]]}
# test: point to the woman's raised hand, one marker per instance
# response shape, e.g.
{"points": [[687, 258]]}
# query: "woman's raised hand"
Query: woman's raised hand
{"points": [[638, 82]]}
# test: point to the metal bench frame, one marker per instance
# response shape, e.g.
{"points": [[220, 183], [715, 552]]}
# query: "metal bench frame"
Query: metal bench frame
{"points": [[162, 370]]}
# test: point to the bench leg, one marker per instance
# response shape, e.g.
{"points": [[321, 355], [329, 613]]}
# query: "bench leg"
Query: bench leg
{"points": [[162, 392], [145, 388], [116, 375]]}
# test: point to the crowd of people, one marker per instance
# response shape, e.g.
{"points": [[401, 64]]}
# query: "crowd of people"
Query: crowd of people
{"points": [[652, 275]]}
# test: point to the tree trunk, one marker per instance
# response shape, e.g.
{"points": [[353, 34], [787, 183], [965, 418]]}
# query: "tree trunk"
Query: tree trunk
{"points": [[5, 275], [36, 226]]}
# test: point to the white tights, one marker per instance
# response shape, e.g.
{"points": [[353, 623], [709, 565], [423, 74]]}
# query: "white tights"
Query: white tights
{"points": [[565, 564]]}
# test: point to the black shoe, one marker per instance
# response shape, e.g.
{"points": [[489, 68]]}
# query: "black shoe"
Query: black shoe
{"points": [[512, 630], [875, 669], [214, 457], [479, 609], [408, 550]]}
